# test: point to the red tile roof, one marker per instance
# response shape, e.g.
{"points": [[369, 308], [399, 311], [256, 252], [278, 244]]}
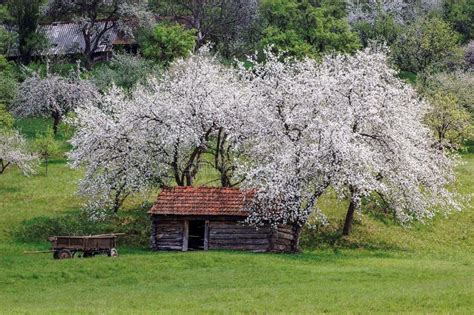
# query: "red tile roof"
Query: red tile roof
{"points": [[201, 201]]}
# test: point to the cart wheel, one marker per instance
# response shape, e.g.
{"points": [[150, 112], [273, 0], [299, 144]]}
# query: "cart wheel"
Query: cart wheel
{"points": [[113, 252], [56, 254], [64, 254]]}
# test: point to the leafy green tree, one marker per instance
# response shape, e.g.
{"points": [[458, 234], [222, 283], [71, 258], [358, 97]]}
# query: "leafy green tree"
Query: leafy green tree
{"points": [[8, 81], [46, 146], [306, 28], [450, 122], [6, 38], [460, 13], [428, 42], [383, 28], [6, 119], [25, 15], [165, 42]]}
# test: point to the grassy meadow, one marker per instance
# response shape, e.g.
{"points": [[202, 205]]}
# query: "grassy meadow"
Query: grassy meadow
{"points": [[382, 267]]}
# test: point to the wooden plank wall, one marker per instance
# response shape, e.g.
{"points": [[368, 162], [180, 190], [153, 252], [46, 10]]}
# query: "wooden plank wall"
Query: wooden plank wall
{"points": [[283, 238], [234, 235], [168, 234]]}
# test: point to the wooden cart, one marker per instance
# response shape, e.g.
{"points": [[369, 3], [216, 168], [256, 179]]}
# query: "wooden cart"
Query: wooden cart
{"points": [[64, 247]]}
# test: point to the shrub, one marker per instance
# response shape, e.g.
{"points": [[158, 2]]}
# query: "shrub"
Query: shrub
{"points": [[135, 224]]}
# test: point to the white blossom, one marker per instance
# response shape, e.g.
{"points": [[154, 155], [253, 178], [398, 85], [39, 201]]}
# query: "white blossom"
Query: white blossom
{"points": [[14, 151]]}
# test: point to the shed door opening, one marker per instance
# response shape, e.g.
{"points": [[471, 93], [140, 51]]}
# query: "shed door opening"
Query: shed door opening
{"points": [[196, 234]]}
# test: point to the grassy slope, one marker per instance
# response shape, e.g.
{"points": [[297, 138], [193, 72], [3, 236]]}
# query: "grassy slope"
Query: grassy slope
{"points": [[421, 269]]}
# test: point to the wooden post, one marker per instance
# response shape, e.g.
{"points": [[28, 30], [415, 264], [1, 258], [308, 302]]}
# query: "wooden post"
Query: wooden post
{"points": [[154, 231], [185, 235], [206, 235]]}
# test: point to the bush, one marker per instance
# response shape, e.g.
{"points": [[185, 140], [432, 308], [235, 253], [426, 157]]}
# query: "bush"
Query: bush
{"points": [[125, 71], [135, 224]]}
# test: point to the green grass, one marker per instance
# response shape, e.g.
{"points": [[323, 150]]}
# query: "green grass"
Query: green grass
{"points": [[380, 268]]}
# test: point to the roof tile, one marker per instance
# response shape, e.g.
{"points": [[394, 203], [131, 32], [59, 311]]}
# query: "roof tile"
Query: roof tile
{"points": [[201, 201]]}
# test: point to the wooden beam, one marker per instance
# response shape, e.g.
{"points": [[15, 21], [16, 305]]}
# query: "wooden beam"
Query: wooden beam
{"points": [[185, 235], [206, 235]]}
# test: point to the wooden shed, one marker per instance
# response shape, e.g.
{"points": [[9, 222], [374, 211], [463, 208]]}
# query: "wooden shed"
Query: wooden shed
{"points": [[203, 218]]}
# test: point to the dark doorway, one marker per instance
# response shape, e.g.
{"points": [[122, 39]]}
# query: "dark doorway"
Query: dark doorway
{"points": [[196, 235]]}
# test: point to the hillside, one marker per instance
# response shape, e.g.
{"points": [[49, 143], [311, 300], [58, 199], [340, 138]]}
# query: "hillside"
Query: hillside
{"points": [[382, 267]]}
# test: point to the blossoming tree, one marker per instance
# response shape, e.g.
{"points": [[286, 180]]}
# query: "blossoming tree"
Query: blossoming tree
{"points": [[160, 133], [346, 123], [53, 96]]}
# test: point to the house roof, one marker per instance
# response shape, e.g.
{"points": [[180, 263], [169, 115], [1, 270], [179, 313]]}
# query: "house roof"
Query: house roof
{"points": [[201, 201]]}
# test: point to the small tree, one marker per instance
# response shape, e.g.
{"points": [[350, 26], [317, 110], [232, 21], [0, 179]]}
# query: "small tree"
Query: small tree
{"points": [[53, 96], [25, 15], [450, 122], [429, 41], [13, 147], [166, 42], [46, 146]]}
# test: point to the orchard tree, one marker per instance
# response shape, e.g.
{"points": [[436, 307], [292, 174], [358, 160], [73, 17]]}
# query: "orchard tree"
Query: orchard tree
{"points": [[13, 146], [450, 121], [52, 96], [159, 134], [347, 123], [115, 14]]}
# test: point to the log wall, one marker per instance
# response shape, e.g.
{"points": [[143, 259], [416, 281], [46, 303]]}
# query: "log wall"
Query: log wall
{"points": [[236, 236], [223, 233], [167, 234]]}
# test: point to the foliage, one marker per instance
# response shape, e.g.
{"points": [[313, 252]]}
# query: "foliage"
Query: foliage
{"points": [[166, 42], [8, 81], [6, 119], [383, 28], [404, 12], [160, 134], [25, 15], [469, 55], [347, 123], [428, 42], [301, 28], [46, 146], [460, 14], [52, 96], [6, 38], [223, 22], [459, 84], [124, 71], [134, 224], [14, 151], [450, 122], [124, 15]]}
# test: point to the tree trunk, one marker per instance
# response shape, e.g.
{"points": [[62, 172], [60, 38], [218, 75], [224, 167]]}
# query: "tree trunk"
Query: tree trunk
{"points": [[46, 164], [56, 122], [295, 246], [349, 218]]}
